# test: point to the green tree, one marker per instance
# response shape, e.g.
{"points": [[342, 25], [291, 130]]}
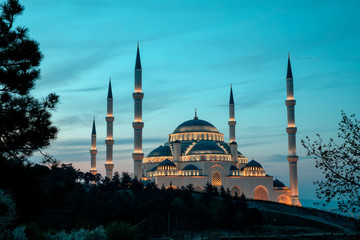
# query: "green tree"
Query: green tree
{"points": [[25, 124], [339, 161]]}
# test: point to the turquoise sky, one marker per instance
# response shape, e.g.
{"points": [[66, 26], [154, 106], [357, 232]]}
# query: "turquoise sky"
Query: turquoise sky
{"points": [[191, 52]]}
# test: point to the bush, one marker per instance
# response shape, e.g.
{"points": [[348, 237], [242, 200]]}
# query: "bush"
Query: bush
{"points": [[121, 230], [80, 234]]}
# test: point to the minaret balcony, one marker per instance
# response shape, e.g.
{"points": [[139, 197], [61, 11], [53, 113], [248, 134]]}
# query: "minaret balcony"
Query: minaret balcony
{"points": [[291, 130], [109, 119], [109, 142], [93, 151], [109, 166], [138, 95], [292, 158], [232, 123], [138, 156], [290, 103], [138, 125]]}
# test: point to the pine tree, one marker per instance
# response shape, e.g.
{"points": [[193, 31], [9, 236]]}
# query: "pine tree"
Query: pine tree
{"points": [[25, 122]]}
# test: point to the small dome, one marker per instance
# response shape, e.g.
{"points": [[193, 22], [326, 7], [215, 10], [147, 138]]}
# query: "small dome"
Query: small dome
{"points": [[278, 183], [233, 168], [196, 125], [167, 165], [162, 151], [206, 147], [253, 166], [190, 167], [240, 155]]}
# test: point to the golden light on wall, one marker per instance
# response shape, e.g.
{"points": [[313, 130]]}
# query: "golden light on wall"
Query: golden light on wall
{"points": [[216, 179]]}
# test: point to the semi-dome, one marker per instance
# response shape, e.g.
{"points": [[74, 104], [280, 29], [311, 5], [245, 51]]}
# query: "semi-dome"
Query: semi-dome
{"points": [[233, 168], [206, 147], [167, 165], [278, 183], [162, 151], [196, 125], [253, 166], [190, 167]]}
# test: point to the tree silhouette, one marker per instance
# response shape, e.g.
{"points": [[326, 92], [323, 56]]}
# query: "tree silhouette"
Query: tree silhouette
{"points": [[25, 124], [339, 161]]}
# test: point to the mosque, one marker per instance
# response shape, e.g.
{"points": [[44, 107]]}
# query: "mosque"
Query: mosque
{"points": [[196, 153]]}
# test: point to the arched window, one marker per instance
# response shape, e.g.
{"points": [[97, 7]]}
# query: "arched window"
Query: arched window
{"points": [[260, 193], [216, 179], [235, 191], [284, 199]]}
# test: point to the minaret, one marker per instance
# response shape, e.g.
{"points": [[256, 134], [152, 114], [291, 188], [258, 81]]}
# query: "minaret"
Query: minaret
{"points": [[291, 131], [138, 124], [232, 124], [93, 150], [109, 166]]}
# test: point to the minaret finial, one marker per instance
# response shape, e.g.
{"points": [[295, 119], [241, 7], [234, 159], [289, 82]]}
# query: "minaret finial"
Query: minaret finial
{"points": [[138, 62], [196, 118]]}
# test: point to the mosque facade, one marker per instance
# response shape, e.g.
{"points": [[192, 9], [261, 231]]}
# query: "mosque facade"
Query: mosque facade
{"points": [[196, 153]]}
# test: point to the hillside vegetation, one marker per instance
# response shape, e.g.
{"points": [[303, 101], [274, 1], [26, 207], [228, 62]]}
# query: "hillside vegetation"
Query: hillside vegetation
{"points": [[51, 199]]}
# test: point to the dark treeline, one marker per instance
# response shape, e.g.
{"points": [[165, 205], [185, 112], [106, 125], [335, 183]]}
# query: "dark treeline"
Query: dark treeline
{"points": [[61, 197]]}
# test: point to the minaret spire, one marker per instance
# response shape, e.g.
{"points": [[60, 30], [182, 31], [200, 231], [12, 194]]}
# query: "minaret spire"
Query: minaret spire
{"points": [[138, 62], [291, 131], [231, 96], [289, 72], [93, 150], [109, 166], [109, 90], [138, 124]]}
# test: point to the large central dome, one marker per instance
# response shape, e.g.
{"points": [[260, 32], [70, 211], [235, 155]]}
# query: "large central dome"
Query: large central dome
{"points": [[196, 125]]}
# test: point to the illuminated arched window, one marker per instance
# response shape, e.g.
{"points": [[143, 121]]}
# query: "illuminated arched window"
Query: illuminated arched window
{"points": [[260, 194], [284, 199], [235, 191], [216, 179]]}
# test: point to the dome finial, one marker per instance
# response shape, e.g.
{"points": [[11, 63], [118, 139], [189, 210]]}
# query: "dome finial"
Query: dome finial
{"points": [[196, 118]]}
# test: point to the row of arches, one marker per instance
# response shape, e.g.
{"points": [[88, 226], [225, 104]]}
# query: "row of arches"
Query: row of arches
{"points": [[207, 158], [196, 136], [260, 192]]}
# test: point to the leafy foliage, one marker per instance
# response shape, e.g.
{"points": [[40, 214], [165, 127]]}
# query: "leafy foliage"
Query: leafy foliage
{"points": [[7, 211], [61, 197], [25, 124], [339, 161]]}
